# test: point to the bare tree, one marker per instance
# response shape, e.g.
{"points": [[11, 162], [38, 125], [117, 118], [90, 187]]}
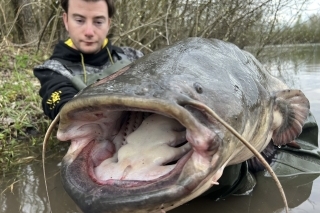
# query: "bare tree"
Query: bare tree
{"points": [[149, 25], [27, 22]]}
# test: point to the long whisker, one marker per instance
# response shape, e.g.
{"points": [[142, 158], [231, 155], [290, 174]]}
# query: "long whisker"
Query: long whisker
{"points": [[202, 106], [44, 144]]}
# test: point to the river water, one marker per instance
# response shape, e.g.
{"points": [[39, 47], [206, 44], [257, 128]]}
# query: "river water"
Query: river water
{"points": [[26, 193]]}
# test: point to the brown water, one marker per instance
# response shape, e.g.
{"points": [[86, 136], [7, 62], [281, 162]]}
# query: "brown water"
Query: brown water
{"points": [[27, 192]]}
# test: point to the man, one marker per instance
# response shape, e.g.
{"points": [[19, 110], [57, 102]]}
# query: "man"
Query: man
{"points": [[83, 58]]}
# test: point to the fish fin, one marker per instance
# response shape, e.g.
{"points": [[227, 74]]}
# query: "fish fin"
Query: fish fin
{"points": [[294, 144], [290, 112], [255, 165]]}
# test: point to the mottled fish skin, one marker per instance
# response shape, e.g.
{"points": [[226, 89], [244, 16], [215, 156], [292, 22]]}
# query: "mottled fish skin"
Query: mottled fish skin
{"points": [[218, 74]]}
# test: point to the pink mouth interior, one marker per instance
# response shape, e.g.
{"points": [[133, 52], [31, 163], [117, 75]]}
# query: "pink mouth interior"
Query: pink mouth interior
{"points": [[143, 148]]}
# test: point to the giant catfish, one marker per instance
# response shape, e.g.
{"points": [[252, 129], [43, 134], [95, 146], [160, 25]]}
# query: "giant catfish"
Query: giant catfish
{"points": [[144, 139]]}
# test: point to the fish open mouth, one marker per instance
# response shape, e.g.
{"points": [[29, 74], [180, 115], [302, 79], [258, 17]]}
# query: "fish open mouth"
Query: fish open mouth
{"points": [[146, 148], [134, 147], [127, 150]]}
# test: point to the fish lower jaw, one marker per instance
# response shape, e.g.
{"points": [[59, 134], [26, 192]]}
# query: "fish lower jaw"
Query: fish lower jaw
{"points": [[127, 175], [203, 186]]}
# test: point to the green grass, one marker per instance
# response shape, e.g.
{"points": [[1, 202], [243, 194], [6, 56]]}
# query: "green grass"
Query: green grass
{"points": [[22, 122]]}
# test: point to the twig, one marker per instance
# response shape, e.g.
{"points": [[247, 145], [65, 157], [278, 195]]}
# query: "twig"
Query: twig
{"points": [[54, 28], [166, 23]]}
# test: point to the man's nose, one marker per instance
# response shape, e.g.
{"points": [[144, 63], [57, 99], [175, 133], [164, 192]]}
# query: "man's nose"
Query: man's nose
{"points": [[89, 31]]}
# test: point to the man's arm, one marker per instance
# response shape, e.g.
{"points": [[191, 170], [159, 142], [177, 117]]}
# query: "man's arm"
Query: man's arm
{"points": [[55, 91]]}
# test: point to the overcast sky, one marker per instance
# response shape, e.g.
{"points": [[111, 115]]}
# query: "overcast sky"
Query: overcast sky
{"points": [[313, 7]]}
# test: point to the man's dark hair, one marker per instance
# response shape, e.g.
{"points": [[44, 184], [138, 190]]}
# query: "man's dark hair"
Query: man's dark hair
{"points": [[110, 3]]}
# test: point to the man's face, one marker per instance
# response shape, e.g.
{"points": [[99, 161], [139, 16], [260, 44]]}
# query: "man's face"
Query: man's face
{"points": [[88, 24]]}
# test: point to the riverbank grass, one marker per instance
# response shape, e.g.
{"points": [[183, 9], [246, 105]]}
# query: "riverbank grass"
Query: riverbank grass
{"points": [[22, 122]]}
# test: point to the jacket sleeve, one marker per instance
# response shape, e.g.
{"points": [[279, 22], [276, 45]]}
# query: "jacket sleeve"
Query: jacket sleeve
{"points": [[55, 91]]}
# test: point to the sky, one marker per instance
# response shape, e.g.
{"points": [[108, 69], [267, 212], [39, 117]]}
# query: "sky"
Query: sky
{"points": [[312, 7]]}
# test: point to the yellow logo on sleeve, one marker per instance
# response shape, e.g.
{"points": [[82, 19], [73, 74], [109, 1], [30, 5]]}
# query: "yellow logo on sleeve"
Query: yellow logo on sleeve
{"points": [[54, 99]]}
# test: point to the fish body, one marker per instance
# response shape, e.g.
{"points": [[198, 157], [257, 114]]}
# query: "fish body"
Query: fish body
{"points": [[143, 139]]}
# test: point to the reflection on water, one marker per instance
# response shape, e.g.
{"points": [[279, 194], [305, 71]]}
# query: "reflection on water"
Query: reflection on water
{"points": [[302, 70], [299, 69], [27, 193]]}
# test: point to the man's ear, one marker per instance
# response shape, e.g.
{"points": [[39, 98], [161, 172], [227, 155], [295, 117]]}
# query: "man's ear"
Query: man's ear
{"points": [[65, 20], [109, 24]]}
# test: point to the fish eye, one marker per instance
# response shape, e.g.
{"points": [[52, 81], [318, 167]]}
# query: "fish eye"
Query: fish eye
{"points": [[198, 87]]}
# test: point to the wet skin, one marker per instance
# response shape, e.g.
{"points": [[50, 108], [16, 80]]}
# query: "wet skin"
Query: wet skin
{"points": [[141, 142]]}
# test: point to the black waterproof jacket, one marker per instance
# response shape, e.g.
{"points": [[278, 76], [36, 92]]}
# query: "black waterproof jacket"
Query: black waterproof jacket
{"points": [[54, 74]]}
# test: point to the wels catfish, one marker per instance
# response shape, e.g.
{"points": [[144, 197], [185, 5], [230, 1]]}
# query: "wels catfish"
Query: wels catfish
{"points": [[144, 139]]}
